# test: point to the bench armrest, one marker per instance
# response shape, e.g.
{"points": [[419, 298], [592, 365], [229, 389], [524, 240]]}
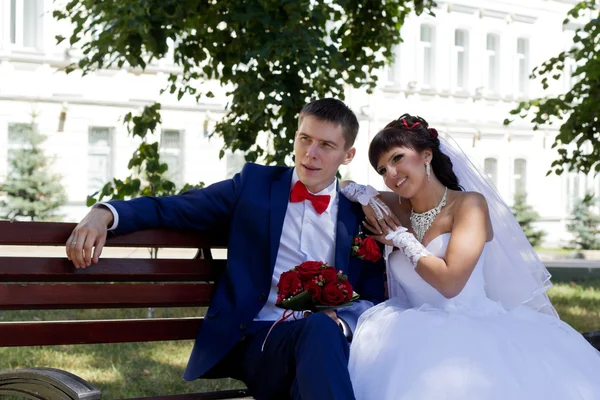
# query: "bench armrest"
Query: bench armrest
{"points": [[46, 383]]}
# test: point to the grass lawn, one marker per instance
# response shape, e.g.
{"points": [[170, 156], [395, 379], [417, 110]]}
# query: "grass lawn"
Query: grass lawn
{"points": [[120, 370], [563, 251], [146, 369], [578, 304]]}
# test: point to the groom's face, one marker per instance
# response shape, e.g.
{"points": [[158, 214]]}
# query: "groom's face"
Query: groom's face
{"points": [[320, 149]]}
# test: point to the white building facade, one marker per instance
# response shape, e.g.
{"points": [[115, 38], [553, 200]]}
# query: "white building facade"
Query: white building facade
{"points": [[462, 70]]}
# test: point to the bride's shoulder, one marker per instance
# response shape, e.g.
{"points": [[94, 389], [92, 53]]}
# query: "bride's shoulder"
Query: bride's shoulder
{"points": [[472, 207], [465, 201]]}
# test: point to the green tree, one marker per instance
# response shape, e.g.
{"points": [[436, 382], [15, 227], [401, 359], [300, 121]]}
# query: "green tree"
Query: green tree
{"points": [[31, 190], [526, 216], [273, 56], [585, 225], [577, 110], [147, 171]]}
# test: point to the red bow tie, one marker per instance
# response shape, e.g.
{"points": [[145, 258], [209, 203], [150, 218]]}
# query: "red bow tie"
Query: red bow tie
{"points": [[300, 193]]}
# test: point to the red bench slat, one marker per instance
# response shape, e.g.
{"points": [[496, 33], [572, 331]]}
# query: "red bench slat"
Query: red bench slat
{"points": [[35, 269], [101, 331], [228, 394], [57, 233], [72, 296]]}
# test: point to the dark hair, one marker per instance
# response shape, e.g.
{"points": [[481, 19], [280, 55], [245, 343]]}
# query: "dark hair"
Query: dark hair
{"points": [[413, 132], [334, 111]]}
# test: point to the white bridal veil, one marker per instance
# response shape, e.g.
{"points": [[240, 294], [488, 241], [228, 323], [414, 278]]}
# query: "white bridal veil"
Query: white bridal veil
{"points": [[514, 274]]}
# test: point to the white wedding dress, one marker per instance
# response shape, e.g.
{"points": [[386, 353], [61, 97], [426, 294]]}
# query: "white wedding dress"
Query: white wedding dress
{"points": [[427, 347]]}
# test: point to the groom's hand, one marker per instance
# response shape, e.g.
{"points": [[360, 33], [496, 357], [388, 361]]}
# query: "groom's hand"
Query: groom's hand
{"points": [[333, 315], [89, 235], [330, 313]]}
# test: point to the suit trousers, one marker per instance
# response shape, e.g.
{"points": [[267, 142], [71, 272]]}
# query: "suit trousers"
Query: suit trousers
{"points": [[305, 359]]}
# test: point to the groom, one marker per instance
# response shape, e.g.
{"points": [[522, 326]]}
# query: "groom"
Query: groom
{"points": [[275, 218]]}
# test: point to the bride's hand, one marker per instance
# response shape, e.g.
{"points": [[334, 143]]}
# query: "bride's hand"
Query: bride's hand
{"points": [[375, 210], [381, 230], [380, 223]]}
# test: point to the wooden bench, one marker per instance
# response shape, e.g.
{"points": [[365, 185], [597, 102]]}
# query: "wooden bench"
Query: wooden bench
{"points": [[29, 283]]}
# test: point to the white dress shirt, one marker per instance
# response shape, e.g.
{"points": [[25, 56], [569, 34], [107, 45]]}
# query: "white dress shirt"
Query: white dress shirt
{"points": [[306, 236]]}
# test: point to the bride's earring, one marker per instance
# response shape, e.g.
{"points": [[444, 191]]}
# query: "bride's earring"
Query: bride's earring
{"points": [[428, 171], [399, 199]]}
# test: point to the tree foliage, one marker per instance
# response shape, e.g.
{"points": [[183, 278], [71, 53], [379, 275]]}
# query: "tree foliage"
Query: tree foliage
{"points": [[578, 141], [526, 216], [31, 190], [272, 56], [585, 225], [147, 171]]}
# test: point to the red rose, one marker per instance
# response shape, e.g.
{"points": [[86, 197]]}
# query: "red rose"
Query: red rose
{"points": [[308, 270], [332, 295], [329, 274], [369, 250], [289, 284], [347, 289], [314, 289]]}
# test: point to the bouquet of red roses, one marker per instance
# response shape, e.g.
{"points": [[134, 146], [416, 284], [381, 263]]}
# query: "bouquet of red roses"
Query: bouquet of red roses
{"points": [[314, 286]]}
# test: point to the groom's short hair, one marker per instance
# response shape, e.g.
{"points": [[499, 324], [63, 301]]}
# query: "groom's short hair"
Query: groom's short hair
{"points": [[336, 112]]}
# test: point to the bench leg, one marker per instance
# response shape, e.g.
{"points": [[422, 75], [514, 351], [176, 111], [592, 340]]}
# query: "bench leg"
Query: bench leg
{"points": [[46, 384]]}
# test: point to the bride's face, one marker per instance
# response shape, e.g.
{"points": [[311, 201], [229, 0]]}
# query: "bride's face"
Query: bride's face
{"points": [[403, 170]]}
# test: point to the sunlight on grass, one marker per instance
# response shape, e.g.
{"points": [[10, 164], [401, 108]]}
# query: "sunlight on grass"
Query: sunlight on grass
{"points": [[120, 370], [578, 304], [170, 353]]}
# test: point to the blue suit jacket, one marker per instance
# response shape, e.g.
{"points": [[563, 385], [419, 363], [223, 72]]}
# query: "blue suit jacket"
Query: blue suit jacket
{"points": [[251, 207]]}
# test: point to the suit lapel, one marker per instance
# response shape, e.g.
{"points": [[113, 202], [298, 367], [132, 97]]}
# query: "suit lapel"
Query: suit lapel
{"points": [[280, 193], [346, 221]]}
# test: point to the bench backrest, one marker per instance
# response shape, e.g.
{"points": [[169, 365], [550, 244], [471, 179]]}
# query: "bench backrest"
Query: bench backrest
{"points": [[30, 283]]}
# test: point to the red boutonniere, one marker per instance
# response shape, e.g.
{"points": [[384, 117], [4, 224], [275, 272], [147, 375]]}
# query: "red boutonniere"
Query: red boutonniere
{"points": [[365, 248]]}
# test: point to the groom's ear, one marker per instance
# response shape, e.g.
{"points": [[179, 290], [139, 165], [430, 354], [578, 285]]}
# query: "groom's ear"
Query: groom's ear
{"points": [[350, 153]]}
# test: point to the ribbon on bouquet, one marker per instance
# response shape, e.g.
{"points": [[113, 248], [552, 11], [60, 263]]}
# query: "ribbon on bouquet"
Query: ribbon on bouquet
{"points": [[283, 318]]}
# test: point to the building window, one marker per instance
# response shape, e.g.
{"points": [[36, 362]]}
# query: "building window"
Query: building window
{"points": [[493, 62], [25, 18], [427, 56], [490, 166], [520, 175], [205, 131], [100, 158], [171, 145], [234, 163], [393, 68], [523, 65], [575, 190], [461, 58]]}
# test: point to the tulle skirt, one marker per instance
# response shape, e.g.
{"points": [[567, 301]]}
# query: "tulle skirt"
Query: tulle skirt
{"points": [[433, 354]]}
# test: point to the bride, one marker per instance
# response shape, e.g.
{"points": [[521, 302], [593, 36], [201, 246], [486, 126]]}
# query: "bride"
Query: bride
{"points": [[468, 315]]}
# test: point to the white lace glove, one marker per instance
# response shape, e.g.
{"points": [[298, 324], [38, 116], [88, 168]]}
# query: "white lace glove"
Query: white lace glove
{"points": [[409, 245], [366, 195]]}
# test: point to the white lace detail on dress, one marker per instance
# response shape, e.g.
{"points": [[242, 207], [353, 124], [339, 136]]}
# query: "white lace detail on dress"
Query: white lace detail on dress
{"points": [[408, 244]]}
